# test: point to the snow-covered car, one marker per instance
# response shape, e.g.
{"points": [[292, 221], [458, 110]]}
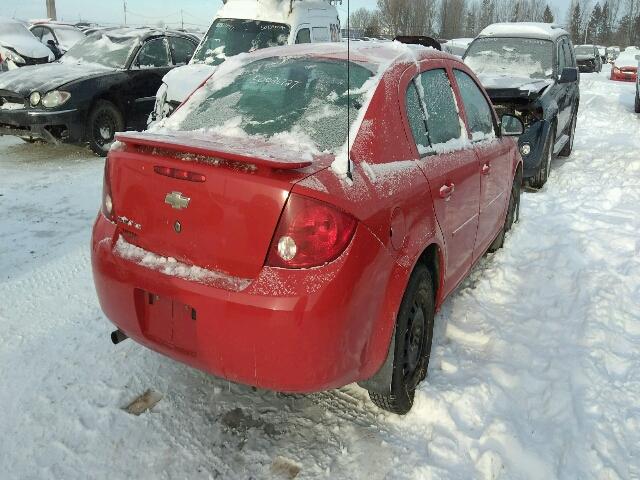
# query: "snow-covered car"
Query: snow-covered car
{"points": [[457, 46], [625, 66], [529, 70], [18, 47], [270, 250], [104, 84], [58, 37], [232, 32], [588, 58]]}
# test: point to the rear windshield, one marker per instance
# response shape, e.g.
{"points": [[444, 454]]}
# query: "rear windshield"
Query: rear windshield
{"points": [[228, 37], [100, 48], [304, 99], [584, 51], [523, 57]]}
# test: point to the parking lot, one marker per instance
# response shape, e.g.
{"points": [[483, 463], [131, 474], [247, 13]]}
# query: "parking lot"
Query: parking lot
{"points": [[534, 367]]}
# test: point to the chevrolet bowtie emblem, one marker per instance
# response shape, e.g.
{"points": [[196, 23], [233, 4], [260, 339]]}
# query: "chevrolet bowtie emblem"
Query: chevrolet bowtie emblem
{"points": [[177, 201]]}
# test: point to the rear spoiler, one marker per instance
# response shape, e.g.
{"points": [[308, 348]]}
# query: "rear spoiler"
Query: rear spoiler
{"points": [[180, 144]]}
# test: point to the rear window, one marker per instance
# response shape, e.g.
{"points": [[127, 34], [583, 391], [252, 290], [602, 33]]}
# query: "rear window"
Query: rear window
{"points": [[302, 98]]}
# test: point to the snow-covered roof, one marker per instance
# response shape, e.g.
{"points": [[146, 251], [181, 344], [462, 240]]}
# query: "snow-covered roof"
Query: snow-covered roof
{"points": [[278, 11], [542, 31]]}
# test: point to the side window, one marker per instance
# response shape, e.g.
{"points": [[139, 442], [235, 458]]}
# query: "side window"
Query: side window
{"points": [[443, 121], [47, 35], [37, 32], [416, 118], [562, 57], [570, 58], [153, 54], [479, 112], [182, 50], [304, 36], [321, 34]]}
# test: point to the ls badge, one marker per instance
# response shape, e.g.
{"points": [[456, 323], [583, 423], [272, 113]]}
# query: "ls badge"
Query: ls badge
{"points": [[177, 200]]}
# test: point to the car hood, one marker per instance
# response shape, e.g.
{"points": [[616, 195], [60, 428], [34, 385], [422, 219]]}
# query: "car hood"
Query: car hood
{"points": [[47, 77], [25, 46], [182, 81], [506, 86]]}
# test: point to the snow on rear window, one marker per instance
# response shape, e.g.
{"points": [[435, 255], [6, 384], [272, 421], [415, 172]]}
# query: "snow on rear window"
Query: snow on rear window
{"points": [[292, 99]]}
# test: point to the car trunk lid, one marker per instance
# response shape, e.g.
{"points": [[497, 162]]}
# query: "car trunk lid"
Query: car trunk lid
{"points": [[210, 202]]}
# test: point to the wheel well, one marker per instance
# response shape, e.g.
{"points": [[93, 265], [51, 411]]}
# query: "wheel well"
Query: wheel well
{"points": [[430, 258], [113, 99]]}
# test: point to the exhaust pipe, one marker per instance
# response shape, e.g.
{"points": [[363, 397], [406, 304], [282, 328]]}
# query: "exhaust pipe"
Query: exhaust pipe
{"points": [[118, 337]]}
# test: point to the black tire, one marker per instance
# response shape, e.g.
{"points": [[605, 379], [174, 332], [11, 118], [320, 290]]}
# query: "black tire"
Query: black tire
{"points": [[568, 148], [413, 338], [105, 119], [513, 215], [637, 106], [540, 179]]}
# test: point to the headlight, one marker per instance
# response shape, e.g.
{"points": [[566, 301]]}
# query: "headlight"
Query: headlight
{"points": [[525, 149], [34, 99], [5, 53], [55, 99]]}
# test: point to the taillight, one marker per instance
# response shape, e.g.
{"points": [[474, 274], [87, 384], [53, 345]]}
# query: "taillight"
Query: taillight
{"points": [[310, 234], [180, 174], [107, 200]]}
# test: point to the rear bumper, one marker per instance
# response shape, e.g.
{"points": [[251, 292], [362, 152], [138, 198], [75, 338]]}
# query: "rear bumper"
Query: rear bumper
{"points": [[290, 331], [52, 126]]}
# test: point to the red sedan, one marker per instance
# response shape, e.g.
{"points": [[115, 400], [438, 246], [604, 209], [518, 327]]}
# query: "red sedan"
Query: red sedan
{"points": [[625, 67], [237, 238]]}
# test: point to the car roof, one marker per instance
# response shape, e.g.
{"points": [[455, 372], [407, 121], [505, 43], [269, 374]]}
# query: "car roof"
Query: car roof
{"points": [[540, 31], [143, 33]]}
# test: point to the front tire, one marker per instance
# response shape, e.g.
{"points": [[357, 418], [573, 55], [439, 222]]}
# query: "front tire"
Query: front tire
{"points": [[540, 179], [413, 339], [105, 120]]}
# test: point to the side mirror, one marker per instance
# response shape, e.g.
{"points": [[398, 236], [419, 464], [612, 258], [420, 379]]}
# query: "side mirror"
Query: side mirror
{"points": [[568, 75], [51, 43], [511, 126]]}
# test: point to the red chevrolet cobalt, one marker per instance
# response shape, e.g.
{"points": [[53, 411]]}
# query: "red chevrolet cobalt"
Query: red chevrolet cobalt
{"points": [[296, 224]]}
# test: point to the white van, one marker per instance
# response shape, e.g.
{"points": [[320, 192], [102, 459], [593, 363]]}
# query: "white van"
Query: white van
{"points": [[244, 26]]}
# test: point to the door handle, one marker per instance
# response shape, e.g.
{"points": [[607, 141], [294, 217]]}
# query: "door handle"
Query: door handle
{"points": [[486, 169], [447, 190]]}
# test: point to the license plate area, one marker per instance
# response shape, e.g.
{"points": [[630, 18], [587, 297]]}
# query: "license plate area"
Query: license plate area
{"points": [[167, 321]]}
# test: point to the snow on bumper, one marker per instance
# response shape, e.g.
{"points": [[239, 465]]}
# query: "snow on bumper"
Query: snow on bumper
{"points": [[289, 330]]}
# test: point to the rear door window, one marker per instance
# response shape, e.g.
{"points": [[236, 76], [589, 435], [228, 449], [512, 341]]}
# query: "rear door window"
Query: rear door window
{"points": [[417, 119], [182, 50], [443, 121], [479, 112], [321, 34]]}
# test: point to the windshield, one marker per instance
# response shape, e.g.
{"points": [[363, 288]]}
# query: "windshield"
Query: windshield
{"points": [[69, 36], [301, 99], [523, 57], [229, 37], [103, 49], [584, 51], [14, 29]]}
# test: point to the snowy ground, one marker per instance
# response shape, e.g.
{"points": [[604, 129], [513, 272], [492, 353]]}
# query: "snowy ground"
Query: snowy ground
{"points": [[535, 373]]}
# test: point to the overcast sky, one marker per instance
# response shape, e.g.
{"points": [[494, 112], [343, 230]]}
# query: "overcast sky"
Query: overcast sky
{"points": [[196, 12]]}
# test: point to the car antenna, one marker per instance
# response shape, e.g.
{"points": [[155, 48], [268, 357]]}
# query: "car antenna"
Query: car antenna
{"points": [[349, 172]]}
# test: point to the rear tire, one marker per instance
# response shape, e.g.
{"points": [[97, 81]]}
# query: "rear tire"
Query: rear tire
{"points": [[105, 120], [513, 215], [413, 338], [540, 179]]}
